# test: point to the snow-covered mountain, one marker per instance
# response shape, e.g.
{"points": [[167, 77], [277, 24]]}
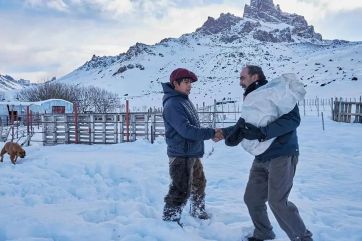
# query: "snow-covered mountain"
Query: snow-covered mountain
{"points": [[9, 83], [279, 42], [9, 86]]}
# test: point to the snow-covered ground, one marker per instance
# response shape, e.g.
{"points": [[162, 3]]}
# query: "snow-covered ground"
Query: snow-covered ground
{"points": [[115, 192]]}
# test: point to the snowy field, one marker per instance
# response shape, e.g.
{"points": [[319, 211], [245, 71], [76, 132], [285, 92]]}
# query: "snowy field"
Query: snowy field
{"points": [[115, 192]]}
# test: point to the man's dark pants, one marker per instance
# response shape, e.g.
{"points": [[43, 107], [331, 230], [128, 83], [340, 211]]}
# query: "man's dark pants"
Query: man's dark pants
{"points": [[271, 182]]}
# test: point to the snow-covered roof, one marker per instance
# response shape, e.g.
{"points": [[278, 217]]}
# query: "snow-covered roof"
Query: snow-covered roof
{"points": [[27, 103]]}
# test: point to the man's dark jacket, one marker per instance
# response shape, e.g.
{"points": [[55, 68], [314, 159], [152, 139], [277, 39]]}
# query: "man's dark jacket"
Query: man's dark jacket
{"points": [[184, 136], [284, 128]]}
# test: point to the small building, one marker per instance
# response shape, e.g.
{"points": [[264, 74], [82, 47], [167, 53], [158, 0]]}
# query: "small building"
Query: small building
{"points": [[17, 109]]}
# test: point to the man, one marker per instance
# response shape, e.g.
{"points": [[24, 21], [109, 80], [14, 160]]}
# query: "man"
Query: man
{"points": [[185, 146], [272, 172]]}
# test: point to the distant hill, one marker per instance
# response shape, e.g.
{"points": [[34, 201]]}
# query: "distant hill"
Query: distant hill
{"points": [[9, 86]]}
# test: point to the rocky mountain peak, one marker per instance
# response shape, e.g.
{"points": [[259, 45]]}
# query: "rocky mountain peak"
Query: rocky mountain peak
{"points": [[262, 10], [265, 10]]}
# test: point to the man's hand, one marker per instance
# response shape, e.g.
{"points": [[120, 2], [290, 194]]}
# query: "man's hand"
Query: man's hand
{"points": [[252, 132], [218, 135], [236, 135], [241, 123]]}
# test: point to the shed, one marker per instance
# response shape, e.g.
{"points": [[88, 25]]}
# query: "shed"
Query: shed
{"points": [[18, 109]]}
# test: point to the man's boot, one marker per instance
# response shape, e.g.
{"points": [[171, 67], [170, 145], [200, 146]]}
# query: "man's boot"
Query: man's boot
{"points": [[197, 208]]}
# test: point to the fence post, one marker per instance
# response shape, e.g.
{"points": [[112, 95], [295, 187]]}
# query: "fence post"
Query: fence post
{"points": [[115, 125], [146, 126], [304, 106], [153, 127], [339, 110], [121, 128], [91, 128], [332, 110], [317, 103], [44, 129], [54, 131], [127, 121], [359, 120], [75, 111], [66, 128], [349, 111], [359, 111], [31, 122], [104, 128], [28, 124], [222, 109], [322, 121], [12, 124], [134, 132], [214, 115]]}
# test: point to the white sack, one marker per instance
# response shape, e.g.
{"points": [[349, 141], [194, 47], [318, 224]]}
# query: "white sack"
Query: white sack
{"points": [[267, 103]]}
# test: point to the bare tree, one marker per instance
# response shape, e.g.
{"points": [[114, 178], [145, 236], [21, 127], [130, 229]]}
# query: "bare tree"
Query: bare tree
{"points": [[48, 91], [84, 101], [87, 98]]}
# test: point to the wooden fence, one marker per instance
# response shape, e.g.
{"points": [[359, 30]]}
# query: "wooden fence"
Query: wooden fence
{"points": [[111, 128], [4, 132], [18, 128], [347, 111], [100, 128], [115, 128]]}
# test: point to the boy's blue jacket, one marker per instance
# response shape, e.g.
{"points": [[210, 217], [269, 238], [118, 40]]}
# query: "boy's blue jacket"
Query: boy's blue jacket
{"points": [[184, 135]]}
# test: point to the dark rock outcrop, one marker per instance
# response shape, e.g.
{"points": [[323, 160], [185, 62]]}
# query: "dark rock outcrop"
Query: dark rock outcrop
{"points": [[229, 39], [137, 49], [249, 26], [214, 26], [275, 36], [98, 62], [129, 66]]}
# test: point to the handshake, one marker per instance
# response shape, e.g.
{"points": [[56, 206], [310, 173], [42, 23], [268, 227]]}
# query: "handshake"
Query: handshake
{"points": [[235, 134], [219, 135]]}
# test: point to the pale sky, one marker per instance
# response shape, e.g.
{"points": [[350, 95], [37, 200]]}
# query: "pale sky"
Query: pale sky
{"points": [[40, 39]]}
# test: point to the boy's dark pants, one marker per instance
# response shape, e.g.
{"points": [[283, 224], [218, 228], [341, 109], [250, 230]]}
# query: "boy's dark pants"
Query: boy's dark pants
{"points": [[187, 178]]}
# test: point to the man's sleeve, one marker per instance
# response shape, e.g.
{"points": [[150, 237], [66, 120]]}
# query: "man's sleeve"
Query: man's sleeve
{"points": [[284, 124], [227, 130], [177, 118]]}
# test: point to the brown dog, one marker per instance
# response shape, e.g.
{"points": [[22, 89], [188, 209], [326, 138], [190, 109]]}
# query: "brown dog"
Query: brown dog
{"points": [[14, 150]]}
